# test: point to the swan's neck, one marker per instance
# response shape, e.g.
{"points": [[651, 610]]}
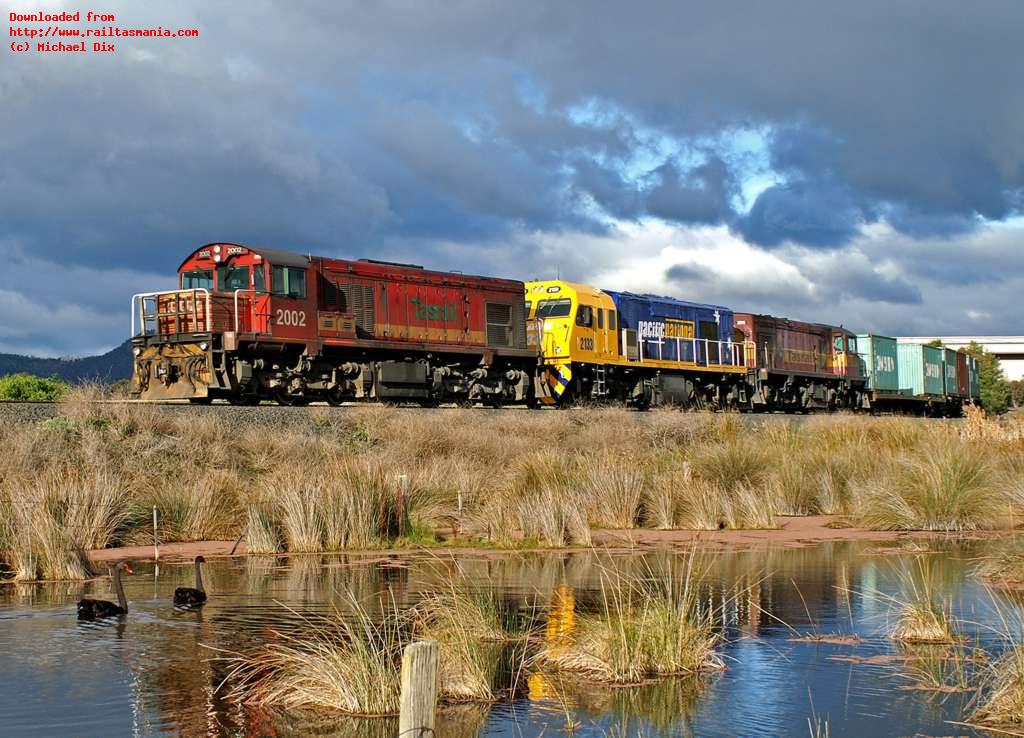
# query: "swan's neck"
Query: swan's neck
{"points": [[119, 588], [199, 576]]}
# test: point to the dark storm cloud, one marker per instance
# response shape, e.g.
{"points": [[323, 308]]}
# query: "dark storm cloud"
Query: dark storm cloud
{"points": [[399, 128], [704, 201], [816, 214]]}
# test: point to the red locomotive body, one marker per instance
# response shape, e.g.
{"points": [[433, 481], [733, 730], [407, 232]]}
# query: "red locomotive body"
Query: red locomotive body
{"points": [[799, 366], [251, 323]]}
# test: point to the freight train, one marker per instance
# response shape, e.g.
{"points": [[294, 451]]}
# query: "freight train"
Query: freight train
{"points": [[251, 324]]}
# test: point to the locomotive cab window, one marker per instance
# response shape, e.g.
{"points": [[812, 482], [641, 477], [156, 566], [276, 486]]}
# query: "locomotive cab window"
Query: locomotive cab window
{"points": [[198, 279], [554, 308], [259, 278], [839, 344], [600, 318], [585, 316], [231, 278], [288, 281]]}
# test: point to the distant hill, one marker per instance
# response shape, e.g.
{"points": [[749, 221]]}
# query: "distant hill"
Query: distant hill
{"points": [[107, 368]]}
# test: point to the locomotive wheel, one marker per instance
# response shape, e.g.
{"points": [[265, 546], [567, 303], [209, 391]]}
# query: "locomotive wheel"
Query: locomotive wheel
{"points": [[335, 397], [285, 400]]}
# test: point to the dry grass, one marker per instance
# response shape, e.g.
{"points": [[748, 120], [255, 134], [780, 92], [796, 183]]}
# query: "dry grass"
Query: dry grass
{"points": [[924, 617], [1003, 690], [645, 628], [945, 486], [513, 479], [348, 664]]}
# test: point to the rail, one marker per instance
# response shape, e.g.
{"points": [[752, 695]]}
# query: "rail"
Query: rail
{"points": [[140, 299], [737, 353]]}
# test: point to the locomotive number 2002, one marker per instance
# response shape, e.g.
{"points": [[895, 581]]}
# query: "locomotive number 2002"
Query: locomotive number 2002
{"points": [[291, 317]]}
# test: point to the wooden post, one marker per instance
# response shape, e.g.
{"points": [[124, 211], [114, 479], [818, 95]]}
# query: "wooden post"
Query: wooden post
{"points": [[156, 546], [419, 690]]}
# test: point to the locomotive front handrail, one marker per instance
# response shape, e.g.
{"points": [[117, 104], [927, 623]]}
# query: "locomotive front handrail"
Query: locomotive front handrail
{"points": [[236, 309], [141, 297]]}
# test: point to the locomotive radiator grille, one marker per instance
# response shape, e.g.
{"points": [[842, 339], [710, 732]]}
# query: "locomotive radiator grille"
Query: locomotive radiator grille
{"points": [[499, 324]]}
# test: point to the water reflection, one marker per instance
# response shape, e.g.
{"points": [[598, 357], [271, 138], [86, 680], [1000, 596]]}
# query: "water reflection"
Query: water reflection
{"points": [[159, 673]]}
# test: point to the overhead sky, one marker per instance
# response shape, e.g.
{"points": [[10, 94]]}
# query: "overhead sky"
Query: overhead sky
{"points": [[851, 162]]}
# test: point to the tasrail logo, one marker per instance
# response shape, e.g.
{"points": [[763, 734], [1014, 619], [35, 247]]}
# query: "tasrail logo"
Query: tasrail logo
{"points": [[426, 311]]}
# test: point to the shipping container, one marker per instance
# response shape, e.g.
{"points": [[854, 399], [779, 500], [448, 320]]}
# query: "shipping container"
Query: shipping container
{"points": [[963, 380], [949, 372], [920, 369], [880, 361]]}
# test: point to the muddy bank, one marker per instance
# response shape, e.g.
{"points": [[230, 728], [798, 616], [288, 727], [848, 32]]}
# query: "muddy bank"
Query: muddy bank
{"points": [[168, 552], [793, 532]]}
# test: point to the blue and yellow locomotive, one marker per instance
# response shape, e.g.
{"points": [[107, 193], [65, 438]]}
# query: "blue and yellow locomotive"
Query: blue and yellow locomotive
{"points": [[642, 349]]}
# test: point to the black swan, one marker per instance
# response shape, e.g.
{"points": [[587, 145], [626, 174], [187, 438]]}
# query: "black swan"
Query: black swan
{"points": [[98, 609], [189, 596]]}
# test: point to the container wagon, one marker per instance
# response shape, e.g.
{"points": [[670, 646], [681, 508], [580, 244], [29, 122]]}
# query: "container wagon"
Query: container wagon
{"points": [[974, 380], [248, 324], [802, 366], [921, 376], [880, 355]]}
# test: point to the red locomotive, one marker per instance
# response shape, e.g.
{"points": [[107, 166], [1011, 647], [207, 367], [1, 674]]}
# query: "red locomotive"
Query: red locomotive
{"points": [[248, 324], [801, 366]]}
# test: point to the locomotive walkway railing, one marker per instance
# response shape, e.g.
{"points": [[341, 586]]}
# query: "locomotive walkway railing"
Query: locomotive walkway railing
{"points": [[140, 310], [702, 352]]}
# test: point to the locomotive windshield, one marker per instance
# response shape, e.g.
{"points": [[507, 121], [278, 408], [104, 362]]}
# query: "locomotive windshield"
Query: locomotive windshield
{"points": [[197, 279], [231, 278], [554, 308]]}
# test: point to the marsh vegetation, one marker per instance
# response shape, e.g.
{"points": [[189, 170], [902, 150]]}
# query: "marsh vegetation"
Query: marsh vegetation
{"points": [[374, 477]]}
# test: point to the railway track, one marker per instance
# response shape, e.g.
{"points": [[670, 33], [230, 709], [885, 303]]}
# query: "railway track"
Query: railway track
{"points": [[277, 416]]}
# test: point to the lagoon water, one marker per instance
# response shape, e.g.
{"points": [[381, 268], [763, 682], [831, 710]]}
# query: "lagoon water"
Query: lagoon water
{"points": [[158, 672]]}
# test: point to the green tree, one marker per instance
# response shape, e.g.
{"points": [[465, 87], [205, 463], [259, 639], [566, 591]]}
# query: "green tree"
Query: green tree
{"points": [[995, 390], [1017, 392], [935, 343]]}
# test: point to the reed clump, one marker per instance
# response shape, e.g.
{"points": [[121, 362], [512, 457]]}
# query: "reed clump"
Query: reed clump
{"points": [[1002, 690], [924, 617], [347, 663], [644, 629], [944, 487]]}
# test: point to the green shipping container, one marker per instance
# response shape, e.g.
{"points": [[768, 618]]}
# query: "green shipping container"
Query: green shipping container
{"points": [[920, 369], [975, 380], [949, 371], [880, 359]]}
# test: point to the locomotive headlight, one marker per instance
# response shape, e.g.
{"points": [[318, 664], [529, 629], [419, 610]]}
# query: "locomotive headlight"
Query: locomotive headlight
{"points": [[204, 345], [136, 351], [216, 249], [548, 325]]}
